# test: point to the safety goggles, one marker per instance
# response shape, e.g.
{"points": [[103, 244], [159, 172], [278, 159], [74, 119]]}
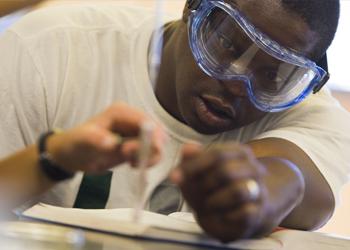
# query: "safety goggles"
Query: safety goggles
{"points": [[228, 47]]}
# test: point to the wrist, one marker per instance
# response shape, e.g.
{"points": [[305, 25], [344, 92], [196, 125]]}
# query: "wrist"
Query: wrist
{"points": [[55, 146], [284, 179], [50, 166], [285, 189]]}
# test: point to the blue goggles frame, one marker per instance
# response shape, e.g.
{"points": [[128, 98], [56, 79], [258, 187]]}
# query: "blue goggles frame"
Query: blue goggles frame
{"points": [[200, 9]]}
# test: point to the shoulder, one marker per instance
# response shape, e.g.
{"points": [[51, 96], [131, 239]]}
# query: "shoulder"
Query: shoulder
{"points": [[81, 17], [319, 113], [317, 110]]}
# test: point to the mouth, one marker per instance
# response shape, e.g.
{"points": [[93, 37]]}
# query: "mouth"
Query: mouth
{"points": [[214, 111]]}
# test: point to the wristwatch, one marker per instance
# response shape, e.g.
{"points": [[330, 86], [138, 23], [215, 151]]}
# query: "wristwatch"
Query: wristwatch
{"points": [[52, 170]]}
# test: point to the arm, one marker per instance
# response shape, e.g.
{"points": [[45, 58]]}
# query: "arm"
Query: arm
{"points": [[91, 147], [215, 184], [302, 216], [314, 139], [8, 6]]}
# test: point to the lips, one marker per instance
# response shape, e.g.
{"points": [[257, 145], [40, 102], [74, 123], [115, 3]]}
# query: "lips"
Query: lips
{"points": [[213, 111], [220, 106]]}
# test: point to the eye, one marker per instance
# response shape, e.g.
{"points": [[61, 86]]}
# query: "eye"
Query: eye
{"points": [[275, 77], [269, 79], [271, 75], [226, 43], [272, 80]]}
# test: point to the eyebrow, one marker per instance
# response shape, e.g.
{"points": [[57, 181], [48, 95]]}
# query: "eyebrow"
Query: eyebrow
{"points": [[242, 40]]}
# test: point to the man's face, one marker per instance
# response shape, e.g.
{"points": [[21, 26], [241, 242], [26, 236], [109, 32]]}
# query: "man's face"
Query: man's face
{"points": [[211, 106]]}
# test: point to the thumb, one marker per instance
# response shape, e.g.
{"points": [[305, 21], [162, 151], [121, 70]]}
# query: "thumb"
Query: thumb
{"points": [[191, 150]]}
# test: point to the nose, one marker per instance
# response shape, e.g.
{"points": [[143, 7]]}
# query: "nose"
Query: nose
{"points": [[236, 88]]}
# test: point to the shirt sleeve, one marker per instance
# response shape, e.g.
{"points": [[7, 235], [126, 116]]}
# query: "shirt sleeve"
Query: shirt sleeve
{"points": [[22, 96], [320, 127]]}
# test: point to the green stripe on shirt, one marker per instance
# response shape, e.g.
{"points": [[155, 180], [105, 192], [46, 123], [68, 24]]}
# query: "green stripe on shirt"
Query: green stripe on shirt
{"points": [[94, 191]]}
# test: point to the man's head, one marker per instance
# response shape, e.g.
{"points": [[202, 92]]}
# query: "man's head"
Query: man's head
{"points": [[215, 104]]}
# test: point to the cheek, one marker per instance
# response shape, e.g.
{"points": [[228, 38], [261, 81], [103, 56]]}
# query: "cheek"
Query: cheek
{"points": [[184, 88], [188, 75], [252, 114], [247, 112]]}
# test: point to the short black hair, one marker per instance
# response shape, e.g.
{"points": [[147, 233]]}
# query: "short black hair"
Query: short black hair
{"points": [[322, 16]]}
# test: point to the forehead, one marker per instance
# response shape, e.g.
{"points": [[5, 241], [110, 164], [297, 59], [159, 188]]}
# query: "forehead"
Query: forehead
{"points": [[281, 25]]}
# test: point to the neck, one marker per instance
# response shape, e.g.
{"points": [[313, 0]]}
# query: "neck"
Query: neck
{"points": [[165, 89]]}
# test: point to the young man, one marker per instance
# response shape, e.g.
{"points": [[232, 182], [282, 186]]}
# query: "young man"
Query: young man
{"points": [[232, 72]]}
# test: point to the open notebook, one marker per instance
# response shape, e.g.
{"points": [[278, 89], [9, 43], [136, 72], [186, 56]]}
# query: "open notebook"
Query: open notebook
{"points": [[176, 228]]}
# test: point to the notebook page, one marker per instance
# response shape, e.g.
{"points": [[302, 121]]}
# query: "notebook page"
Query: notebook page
{"points": [[154, 226]]}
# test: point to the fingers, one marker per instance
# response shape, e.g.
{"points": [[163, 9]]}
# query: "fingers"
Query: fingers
{"points": [[87, 148], [100, 143], [129, 151], [232, 196], [231, 225], [190, 151], [99, 138], [196, 161], [202, 173], [110, 150], [245, 218], [126, 121], [212, 169], [229, 171], [224, 186], [122, 119]]}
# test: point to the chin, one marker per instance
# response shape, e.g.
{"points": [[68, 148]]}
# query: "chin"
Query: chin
{"points": [[210, 131], [205, 129]]}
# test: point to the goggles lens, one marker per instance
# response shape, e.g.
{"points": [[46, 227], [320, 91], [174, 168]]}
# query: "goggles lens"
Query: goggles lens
{"points": [[226, 51]]}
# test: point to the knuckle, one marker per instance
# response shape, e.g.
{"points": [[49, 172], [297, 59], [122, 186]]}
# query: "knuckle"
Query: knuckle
{"points": [[251, 214], [211, 202], [249, 211], [239, 192], [239, 195]]}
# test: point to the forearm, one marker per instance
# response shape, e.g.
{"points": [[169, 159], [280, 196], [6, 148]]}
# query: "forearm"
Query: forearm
{"points": [[318, 202], [285, 189], [8, 6], [21, 178]]}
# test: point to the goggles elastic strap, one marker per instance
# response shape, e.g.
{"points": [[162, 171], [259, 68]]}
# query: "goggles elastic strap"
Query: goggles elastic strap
{"points": [[322, 82]]}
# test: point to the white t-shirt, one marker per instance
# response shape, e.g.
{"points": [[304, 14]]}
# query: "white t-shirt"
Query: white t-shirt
{"points": [[59, 66]]}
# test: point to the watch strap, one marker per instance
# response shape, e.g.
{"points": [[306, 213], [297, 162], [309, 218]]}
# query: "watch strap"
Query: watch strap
{"points": [[52, 170]]}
